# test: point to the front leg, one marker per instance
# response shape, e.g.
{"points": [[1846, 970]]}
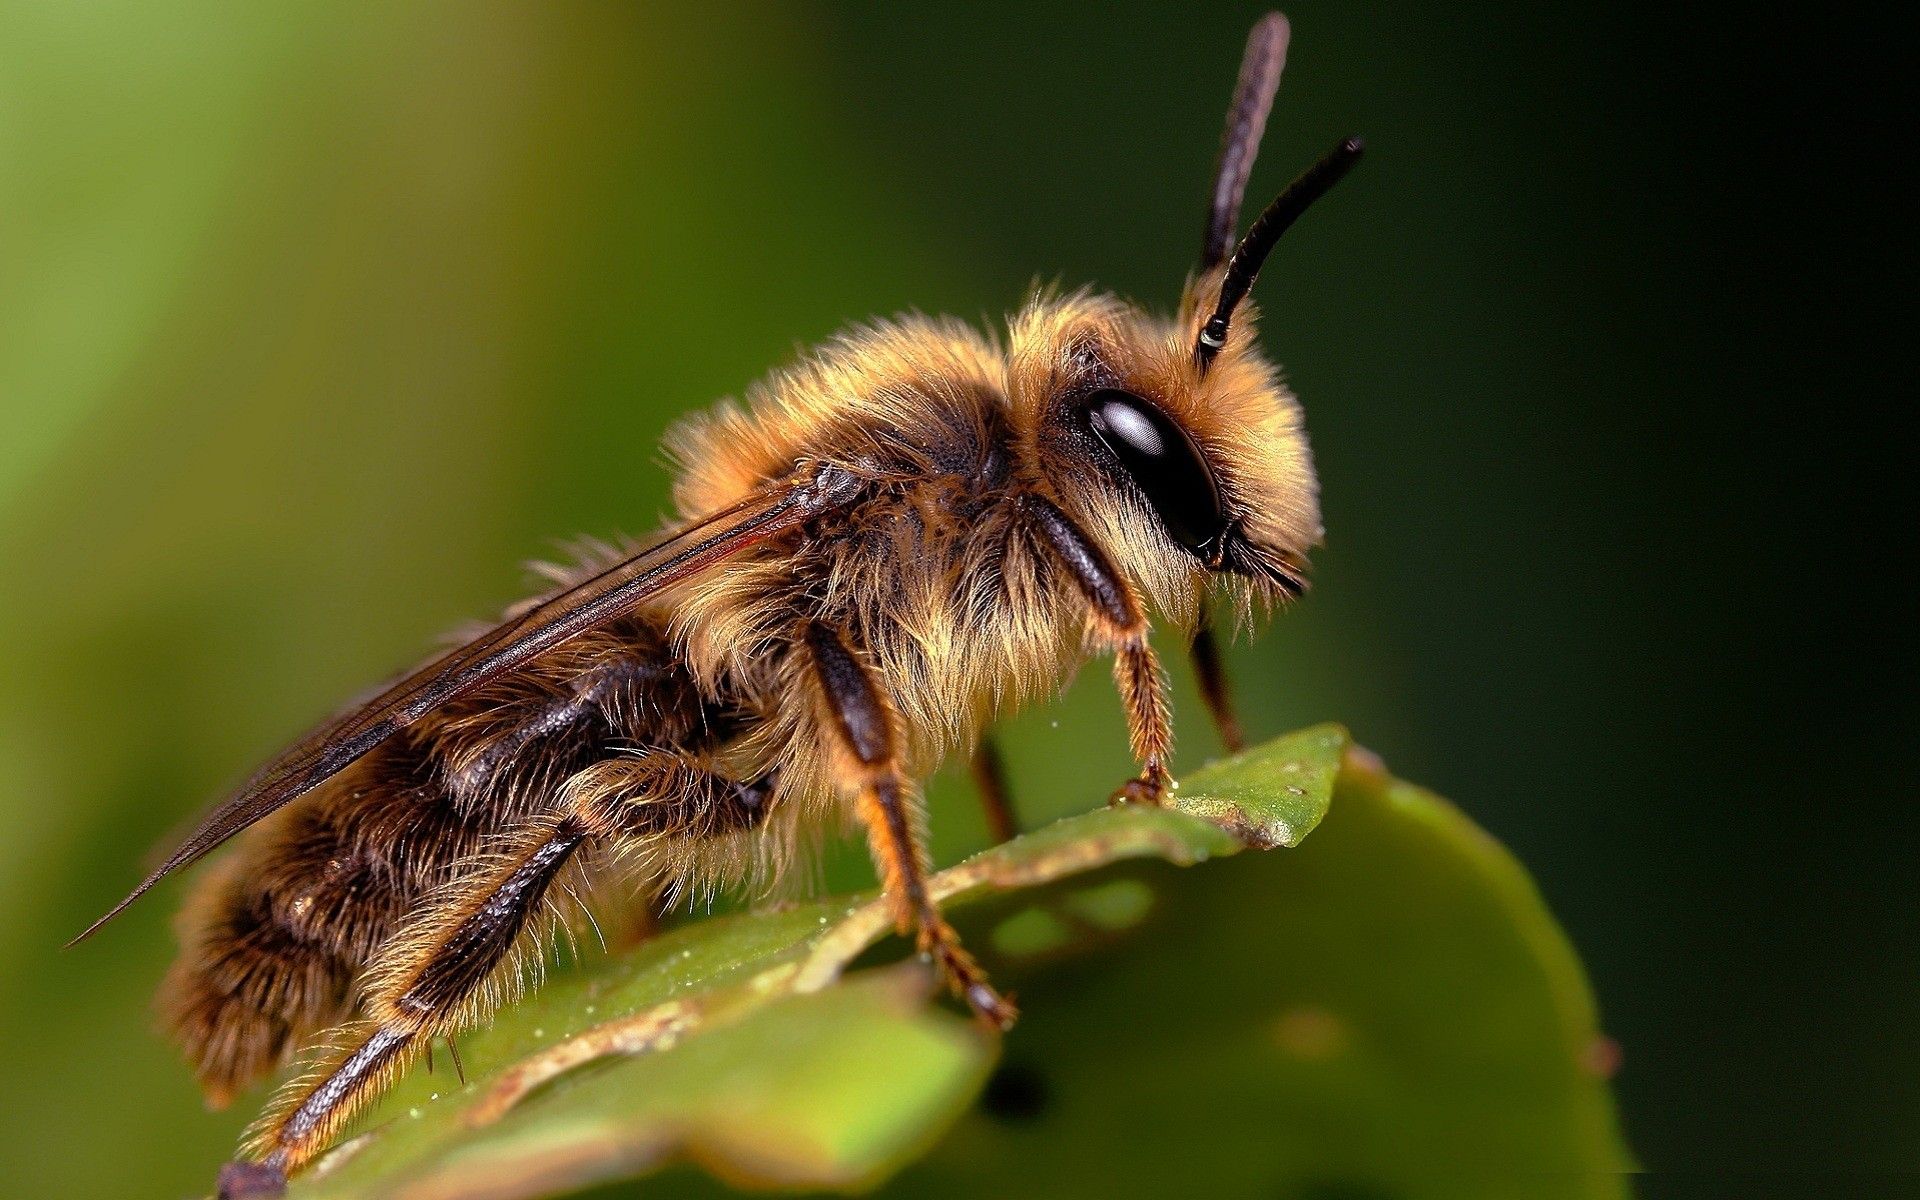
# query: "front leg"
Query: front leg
{"points": [[1118, 618], [864, 730], [1143, 693]]}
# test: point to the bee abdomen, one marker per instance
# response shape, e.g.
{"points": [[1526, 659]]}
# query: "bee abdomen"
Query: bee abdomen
{"points": [[275, 944], [247, 987]]}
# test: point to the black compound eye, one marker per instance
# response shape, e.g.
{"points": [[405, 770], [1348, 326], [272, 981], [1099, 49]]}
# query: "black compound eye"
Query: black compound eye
{"points": [[1163, 460]]}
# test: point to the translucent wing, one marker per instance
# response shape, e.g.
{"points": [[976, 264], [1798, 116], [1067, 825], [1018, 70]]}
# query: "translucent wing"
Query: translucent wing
{"points": [[593, 602]]}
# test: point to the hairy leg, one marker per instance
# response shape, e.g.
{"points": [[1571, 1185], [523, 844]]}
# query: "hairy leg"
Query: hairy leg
{"points": [[275, 941], [1143, 694], [865, 732], [443, 970], [1116, 615]]}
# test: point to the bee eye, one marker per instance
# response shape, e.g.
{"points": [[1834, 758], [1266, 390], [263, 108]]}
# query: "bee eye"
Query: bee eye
{"points": [[1163, 461]]}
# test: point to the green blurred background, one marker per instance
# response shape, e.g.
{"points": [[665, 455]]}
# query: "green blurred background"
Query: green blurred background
{"points": [[316, 320]]}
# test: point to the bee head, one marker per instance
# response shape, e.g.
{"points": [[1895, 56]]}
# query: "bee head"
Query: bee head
{"points": [[1185, 472], [1176, 440]]}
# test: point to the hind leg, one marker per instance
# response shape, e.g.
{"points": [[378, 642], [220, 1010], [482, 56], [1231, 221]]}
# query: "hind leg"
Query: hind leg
{"points": [[274, 939], [442, 969]]}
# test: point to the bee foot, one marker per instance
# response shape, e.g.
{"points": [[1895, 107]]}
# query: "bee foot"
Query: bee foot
{"points": [[251, 1181], [1144, 789], [994, 1010], [969, 983]]}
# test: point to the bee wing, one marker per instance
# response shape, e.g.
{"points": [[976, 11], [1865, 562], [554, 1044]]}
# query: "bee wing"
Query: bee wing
{"points": [[539, 627]]}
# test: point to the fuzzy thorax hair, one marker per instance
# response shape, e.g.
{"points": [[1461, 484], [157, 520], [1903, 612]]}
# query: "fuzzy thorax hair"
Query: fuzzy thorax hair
{"points": [[921, 395]]}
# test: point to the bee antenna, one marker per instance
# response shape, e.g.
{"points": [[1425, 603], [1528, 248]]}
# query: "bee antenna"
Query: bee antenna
{"points": [[1244, 267], [1260, 67]]}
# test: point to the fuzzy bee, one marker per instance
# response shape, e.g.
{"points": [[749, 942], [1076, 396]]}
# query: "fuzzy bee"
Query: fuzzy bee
{"points": [[909, 533]]}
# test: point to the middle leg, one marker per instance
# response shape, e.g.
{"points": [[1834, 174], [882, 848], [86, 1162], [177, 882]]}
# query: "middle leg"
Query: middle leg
{"points": [[864, 728], [1211, 673]]}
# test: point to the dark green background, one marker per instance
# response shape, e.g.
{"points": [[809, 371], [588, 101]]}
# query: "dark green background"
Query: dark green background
{"points": [[314, 322]]}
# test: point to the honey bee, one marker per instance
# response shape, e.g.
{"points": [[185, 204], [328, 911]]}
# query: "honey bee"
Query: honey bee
{"points": [[911, 532]]}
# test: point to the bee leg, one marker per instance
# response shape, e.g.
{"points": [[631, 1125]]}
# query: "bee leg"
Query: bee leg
{"points": [[864, 729], [1212, 675], [990, 779], [422, 987], [433, 979], [1143, 693], [1118, 619]]}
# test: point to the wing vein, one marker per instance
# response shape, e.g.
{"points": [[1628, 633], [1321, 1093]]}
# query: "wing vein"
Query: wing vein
{"points": [[567, 614]]}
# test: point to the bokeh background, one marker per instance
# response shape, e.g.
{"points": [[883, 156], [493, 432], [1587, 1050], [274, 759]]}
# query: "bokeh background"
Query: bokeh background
{"points": [[315, 321]]}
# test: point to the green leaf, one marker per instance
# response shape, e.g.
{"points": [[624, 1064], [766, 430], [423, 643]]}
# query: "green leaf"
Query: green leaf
{"points": [[1283, 1025], [1388, 1011]]}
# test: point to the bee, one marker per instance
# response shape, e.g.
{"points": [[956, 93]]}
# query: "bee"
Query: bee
{"points": [[913, 531]]}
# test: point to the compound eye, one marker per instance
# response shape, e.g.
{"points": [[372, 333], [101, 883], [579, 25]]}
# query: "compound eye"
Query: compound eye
{"points": [[1163, 461]]}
